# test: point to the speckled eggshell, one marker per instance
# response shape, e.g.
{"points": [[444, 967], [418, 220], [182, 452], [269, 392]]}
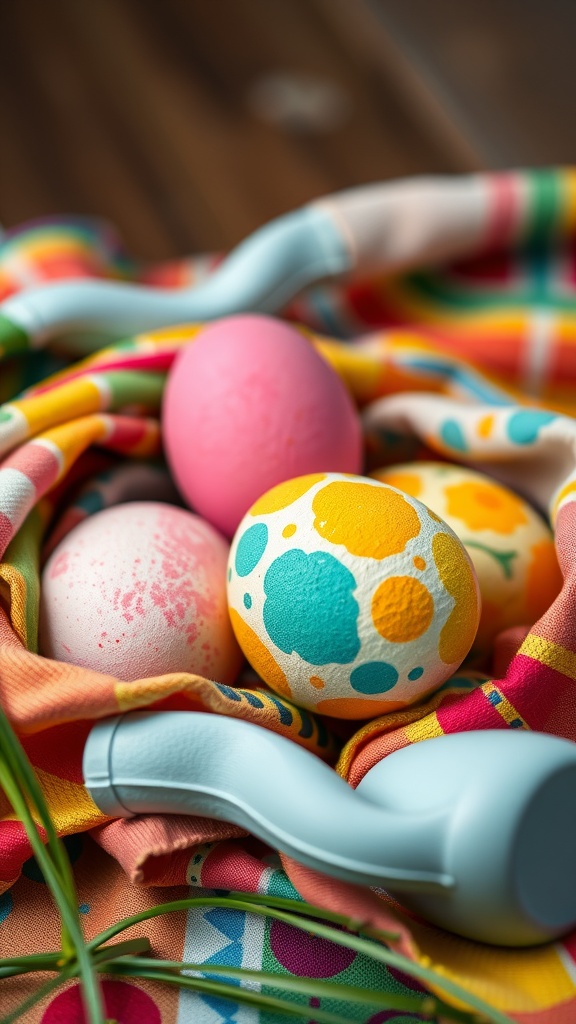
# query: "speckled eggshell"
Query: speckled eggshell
{"points": [[248, 404], [348, 596], [140, 590], [511, 546]]}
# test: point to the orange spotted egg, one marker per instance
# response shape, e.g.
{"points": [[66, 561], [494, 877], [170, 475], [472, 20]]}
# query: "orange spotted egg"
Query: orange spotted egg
{"points": [[348, 596], [511, 546]]}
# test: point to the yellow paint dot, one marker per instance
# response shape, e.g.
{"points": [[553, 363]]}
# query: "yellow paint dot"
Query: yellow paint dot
{"points": [[355, 707], [433, 516], [419, 562], [457, 575], [408, 482], [485, 426], [369, 521], [284, 494], [402, 609], [483, 505], [317, 683], [259, 656], [289, 530]]}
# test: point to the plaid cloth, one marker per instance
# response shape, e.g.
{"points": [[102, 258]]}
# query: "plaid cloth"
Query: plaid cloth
{"points": [[472, 362]]}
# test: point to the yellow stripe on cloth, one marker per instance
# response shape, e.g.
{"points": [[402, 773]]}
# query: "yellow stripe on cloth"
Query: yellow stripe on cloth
{"points": [[77, 398], [512, 980], [550, 654], [71, 807], [502, 705], [424, 729]]}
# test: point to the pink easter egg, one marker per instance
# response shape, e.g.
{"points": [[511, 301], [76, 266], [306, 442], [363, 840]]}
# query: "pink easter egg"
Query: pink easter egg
{"points": [[140, 590], [249, 404]]}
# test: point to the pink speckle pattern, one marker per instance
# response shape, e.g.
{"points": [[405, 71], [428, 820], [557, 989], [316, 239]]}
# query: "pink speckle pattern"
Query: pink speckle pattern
{"points": [[60, 565], [140, 590]]}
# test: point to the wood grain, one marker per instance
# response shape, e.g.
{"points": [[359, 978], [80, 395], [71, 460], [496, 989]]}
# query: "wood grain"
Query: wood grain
{"points": [[143, 112]]}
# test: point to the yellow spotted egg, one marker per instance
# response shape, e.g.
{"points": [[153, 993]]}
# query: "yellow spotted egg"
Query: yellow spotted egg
{"points": [[511, 546], [348, 596]]}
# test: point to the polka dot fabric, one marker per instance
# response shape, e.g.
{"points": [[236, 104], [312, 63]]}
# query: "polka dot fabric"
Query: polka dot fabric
{"points": [[350, 597]]}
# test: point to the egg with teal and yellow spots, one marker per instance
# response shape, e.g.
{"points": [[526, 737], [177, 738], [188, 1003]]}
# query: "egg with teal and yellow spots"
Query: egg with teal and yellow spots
{"points": [[510, 544], [350, 597]]}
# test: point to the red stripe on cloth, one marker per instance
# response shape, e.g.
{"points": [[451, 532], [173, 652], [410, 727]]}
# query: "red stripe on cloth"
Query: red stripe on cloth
{"points": [[545, 698], [37, 463], [59, 750], [6, 532], [14, 849], [469, 711], [504, 212]]}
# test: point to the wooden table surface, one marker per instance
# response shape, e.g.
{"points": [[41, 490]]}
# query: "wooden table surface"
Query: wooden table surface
{"points": [[188, 123]]}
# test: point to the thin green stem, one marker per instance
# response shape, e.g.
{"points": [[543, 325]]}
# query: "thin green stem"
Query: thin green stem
{"points": [[23, 774], [370, 948], [40, 993], [237, 995], [91, 988], [294, 906], [426, 1003]]}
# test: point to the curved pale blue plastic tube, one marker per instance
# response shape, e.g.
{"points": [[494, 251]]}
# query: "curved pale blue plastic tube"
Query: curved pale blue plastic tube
{"points": [[262, 274], [476, 831]]}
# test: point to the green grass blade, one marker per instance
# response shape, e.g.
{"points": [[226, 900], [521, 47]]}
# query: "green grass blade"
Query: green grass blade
{"points": [[90, 985], [230, 992], [422, 1004], [369, 947]]}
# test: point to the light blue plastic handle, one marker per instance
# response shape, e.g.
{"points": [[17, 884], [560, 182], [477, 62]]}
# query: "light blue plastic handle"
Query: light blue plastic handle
{"points": [[263, 273], [476, 831]]}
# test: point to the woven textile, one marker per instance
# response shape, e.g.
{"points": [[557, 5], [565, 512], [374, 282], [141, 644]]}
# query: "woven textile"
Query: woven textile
{"points": [[472, 362]]}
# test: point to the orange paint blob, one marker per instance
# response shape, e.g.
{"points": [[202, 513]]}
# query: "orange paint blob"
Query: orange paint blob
{"points": [[369, 521], [485, 426], [402, 609], [485, 506], [459, 579], [543, 580], [409, 482], [355, 707], [419, 562], [284, 494], [317, 683], [259, 656]]}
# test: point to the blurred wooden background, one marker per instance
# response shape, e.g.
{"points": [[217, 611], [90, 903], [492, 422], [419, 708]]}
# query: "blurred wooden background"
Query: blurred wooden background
{"points": [[188, 123]]}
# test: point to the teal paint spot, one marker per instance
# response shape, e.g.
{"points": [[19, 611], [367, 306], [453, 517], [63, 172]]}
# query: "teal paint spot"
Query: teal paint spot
{"points": [[415, 673], [6, 415], [91, 502], [524, 426], [452, 435], [6, 905], [251, 547], [309, 607], [374, 677], [247, 601], [84, 908], [73, 845]]}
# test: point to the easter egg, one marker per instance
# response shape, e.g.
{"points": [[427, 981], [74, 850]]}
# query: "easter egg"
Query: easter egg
{"points": [[140, 590], [248, 404], [511, 546], [348, 596]]}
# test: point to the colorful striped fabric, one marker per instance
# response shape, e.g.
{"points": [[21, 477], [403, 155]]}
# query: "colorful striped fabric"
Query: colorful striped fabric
{"points": [[472, 362]]}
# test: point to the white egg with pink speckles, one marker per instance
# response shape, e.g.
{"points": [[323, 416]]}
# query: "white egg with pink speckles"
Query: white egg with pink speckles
{"points": [[140, 590]]}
